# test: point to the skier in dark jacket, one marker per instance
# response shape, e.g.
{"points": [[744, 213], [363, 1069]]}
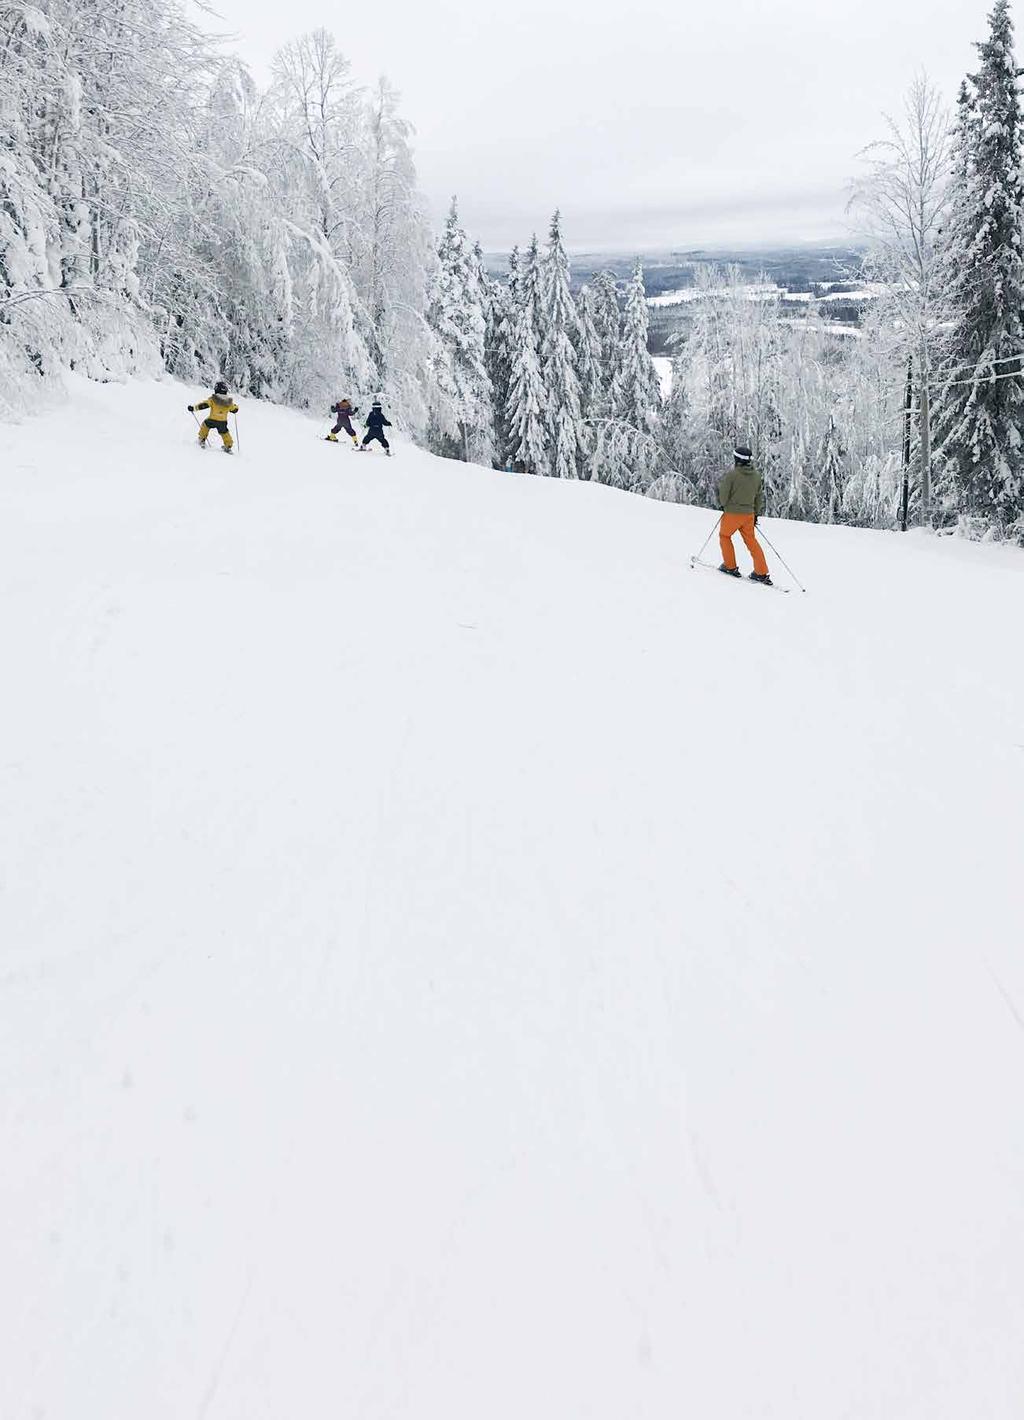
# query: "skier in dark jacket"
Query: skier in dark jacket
{"points": [[375, 426], [344, 409], [741, 495]]}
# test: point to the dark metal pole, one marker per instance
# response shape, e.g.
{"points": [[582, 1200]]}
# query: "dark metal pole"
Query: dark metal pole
{"points": [[696, 556], [907, 407]]}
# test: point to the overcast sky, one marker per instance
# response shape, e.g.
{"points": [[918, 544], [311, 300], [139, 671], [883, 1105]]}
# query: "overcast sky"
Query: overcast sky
{"points": [[650, 122]]}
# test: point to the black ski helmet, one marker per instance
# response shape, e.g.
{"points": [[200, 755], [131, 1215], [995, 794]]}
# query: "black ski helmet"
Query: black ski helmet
{"points": [[220, 387], [376, 404], [742, 454]]}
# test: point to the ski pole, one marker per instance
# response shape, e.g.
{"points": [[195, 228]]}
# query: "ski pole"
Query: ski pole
{"points": [[710, 535], [238, 442], [785, 564]]}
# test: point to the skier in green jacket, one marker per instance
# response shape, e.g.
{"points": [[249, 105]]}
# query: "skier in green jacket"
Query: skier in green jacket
{"points": [[741, 497]]}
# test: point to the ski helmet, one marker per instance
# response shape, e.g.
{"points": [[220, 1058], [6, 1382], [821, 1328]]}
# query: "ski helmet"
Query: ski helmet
{"points": [[220, 387], [741, 453], [376, 404]]}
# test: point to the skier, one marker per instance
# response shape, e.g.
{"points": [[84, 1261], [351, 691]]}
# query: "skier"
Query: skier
{"points": [[741, 495], [375, 426], [344, 409], [220, 404]]}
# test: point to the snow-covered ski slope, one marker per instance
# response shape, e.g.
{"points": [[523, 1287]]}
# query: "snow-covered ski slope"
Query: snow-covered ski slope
{"points": [[458, 963]]}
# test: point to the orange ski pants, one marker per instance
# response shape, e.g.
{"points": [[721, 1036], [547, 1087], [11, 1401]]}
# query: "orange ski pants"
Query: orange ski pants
{"points": [[742, 523]]}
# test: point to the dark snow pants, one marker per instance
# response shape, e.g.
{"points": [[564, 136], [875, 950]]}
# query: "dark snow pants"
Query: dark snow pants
{"points": [[377, 434]]}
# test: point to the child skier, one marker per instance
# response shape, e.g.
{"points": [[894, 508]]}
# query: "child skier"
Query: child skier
{"points": [[344, 409], [220, 404], [741, 495], [375, 426]]}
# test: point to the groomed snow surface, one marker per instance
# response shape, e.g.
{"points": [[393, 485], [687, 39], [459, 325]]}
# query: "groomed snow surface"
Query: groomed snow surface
{"points": [[460, 964]]}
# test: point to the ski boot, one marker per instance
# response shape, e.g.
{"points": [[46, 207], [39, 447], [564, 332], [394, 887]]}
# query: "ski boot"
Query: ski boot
{"points": [[729, 571], [331, 438], [763, 578]]}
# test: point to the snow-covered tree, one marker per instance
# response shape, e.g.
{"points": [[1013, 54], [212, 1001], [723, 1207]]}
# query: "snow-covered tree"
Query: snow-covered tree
{"points": [[588, 356], [456, 316], [526, 407], [832, 474], [981, 404], [505, 310], [628, 451], [607, 318], [392, 259], [558, 360], [903, 202]]}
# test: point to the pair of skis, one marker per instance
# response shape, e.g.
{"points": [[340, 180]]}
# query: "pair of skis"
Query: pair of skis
{"points": [[357, 448], [714, 567]]}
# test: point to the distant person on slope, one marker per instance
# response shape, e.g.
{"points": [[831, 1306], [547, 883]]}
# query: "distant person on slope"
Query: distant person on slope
{"points": [[741, 495], [344, 409], [375, 426], [220, 404]]}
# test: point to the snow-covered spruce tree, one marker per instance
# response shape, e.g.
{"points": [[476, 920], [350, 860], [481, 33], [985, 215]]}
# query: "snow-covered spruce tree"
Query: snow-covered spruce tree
{"points": [[638, 391], [592, 390], [675, 437], [464, 427], [588, 356], [531, 286], [526, 405], [558, 360], [494, 302], [981, 404], [502, 351], [628, 441], [831, 461], [607, 318]]}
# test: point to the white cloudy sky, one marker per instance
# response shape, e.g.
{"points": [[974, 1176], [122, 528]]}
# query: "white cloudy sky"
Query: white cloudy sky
{"points": [[650, 122]]}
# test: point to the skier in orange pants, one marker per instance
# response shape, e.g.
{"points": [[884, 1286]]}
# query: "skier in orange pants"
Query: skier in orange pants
{"points": [[741, 495]]}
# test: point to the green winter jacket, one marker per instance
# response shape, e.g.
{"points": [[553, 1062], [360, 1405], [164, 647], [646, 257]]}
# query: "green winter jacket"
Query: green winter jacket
{"points": [[741, 490]]}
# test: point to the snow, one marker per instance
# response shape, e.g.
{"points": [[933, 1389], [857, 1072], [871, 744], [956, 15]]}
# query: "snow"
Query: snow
{"points": [[851, 297], [458, 962], [663, 367], [756, 291]]}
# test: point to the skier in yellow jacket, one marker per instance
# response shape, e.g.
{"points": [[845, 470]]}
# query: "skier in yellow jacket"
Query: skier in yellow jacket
{"points": [[220, 404]]}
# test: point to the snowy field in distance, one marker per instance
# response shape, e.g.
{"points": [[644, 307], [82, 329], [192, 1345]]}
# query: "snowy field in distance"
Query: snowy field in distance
{"points": [[457, 963]]}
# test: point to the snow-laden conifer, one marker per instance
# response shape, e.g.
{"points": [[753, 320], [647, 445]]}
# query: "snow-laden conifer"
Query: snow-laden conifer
{"points": [[502, 353], [981, 405], [456, 316], [558, 360], [526, 405], [607, 317]]}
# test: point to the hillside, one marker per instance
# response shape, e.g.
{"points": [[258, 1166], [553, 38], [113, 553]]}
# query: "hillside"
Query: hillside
{"points": [[457, 963]]}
